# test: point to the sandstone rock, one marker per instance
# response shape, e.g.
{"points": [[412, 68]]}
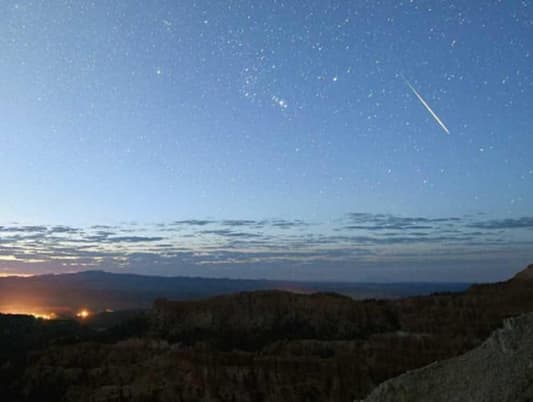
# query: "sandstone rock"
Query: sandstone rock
{"points": [[500, 370]]}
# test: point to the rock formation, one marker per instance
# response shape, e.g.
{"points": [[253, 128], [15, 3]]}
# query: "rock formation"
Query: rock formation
{"points": [[524, 275], [500, 370]]}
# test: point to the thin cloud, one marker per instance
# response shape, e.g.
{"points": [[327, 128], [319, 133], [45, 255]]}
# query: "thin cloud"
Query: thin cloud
{"points": [[525, 222], [134, 239], [356, 239], [193, 222], [239, 222]]}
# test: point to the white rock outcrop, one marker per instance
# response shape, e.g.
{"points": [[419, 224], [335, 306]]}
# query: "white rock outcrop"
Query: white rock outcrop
{"points": [[500, 370]]}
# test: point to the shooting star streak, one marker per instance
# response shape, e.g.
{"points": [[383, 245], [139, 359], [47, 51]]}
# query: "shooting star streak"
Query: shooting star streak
{"points": [[437, 119]]}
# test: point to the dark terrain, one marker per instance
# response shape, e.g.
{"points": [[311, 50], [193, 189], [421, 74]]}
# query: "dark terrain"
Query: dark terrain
{"points": [[250, 346], [98, 290]]}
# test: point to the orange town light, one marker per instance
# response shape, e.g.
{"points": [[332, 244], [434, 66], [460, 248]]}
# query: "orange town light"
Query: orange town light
{"points": [[84, 313], [45, 316]]}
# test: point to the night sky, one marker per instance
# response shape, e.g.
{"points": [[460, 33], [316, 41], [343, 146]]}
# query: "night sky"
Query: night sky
{"points": [[329, 140]]}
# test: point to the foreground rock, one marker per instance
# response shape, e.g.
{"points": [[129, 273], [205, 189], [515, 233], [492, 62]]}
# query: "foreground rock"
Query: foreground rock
{"points": [[500, 370]]}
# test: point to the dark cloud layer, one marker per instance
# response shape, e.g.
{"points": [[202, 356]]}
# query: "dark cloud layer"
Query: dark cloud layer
{"points": [[366, 221], [518, 223], [193, 222]]}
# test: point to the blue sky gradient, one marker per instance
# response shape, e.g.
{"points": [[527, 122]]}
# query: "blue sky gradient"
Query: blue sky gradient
{"points": [[148, 113]]}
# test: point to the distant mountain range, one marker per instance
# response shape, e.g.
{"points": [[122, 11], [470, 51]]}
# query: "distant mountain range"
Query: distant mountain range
{"points": [[100, 291]]}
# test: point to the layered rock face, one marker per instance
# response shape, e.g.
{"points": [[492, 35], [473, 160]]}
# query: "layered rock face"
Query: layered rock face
{"points": [[137, 370], [251, 320], [500, 370]]}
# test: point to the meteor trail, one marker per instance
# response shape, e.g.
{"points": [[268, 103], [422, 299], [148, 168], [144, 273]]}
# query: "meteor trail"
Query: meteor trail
{"points": [[437, 119]]}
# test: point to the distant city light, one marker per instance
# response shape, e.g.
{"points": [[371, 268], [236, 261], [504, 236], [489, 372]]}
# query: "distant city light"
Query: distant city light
{"points": [[43, 316], [83, 314]]}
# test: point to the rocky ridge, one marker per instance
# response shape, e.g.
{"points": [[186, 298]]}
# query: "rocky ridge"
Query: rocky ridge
{"points": [[524, 275], [500, 370]]}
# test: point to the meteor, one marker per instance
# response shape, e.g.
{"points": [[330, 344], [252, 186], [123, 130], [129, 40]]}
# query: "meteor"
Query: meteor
{"points": [[437, 119]]}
